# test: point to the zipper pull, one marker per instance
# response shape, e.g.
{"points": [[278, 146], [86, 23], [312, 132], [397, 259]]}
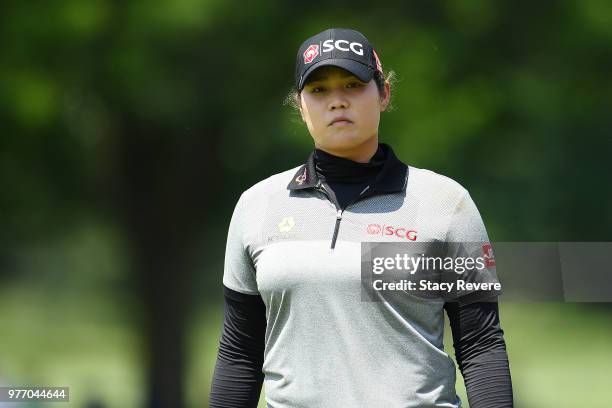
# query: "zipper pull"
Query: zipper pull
{"points": [[336, 228]]}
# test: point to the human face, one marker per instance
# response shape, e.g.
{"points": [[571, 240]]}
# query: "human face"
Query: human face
{"points": [[333, 93]]}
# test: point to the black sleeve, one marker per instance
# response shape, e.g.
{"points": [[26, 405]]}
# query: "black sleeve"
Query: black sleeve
{"points": [[238, 376], [480, 351]]}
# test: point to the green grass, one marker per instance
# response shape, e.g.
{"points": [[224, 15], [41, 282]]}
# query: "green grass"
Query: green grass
{"points": [[58, 341], [559, 354]]}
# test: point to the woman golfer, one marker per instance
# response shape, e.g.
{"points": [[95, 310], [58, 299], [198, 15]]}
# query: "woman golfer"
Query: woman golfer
{"points": [[295, 318]]}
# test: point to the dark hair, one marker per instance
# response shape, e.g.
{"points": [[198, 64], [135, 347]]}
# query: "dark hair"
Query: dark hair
{"points": [[293, 97]]}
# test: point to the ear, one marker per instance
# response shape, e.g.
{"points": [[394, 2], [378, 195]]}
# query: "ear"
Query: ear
{"points": [[300, 106], [386, 98]]}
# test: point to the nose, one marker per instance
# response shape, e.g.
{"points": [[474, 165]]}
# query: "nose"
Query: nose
{"points": [[337, 101]]}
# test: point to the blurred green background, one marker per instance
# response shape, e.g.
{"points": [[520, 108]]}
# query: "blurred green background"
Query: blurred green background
{"points": [[129, 129]]}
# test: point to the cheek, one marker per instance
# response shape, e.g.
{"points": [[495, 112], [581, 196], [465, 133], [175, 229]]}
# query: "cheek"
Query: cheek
{"points": [[369, 113], [312, 117], [307, 117]]}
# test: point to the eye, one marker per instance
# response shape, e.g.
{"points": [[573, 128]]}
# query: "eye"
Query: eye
{"points": [[317, 89], [354, 84]]}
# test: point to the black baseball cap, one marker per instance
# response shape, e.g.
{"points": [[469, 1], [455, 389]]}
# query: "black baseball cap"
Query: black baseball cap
{"points": [[340, 47]]}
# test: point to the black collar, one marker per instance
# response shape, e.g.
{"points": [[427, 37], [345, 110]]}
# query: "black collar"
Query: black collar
{"points": [[391, 179]]}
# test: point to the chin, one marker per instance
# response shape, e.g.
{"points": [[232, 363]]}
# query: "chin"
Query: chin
{"points": [[344, 141]]}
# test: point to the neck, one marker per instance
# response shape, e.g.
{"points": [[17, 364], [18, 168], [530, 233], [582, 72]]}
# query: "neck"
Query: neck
{"points": [[360, 154], [342, 170]]}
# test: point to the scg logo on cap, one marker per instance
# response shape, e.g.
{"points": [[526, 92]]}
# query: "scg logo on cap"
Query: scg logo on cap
{"points": [[329, 45], [311, 53]]}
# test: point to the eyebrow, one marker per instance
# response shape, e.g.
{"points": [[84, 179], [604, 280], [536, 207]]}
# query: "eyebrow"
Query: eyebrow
{"points": [[318, 78]]}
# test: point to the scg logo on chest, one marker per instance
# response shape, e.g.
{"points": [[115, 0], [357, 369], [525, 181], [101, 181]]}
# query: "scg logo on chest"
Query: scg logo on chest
{"points": [[388, 230]]}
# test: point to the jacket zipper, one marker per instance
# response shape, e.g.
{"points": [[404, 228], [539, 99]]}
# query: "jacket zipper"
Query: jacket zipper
{"points": [[336, 228], [339, 211]]}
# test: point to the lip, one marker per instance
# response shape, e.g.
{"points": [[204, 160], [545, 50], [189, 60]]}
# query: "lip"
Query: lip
{"points": [[340, 121]]}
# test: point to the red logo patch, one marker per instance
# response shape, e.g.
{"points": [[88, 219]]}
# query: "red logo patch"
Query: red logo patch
{"points": [[311, 53], [374, 229], [487, 251], [378, 64], [301, 178]]}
